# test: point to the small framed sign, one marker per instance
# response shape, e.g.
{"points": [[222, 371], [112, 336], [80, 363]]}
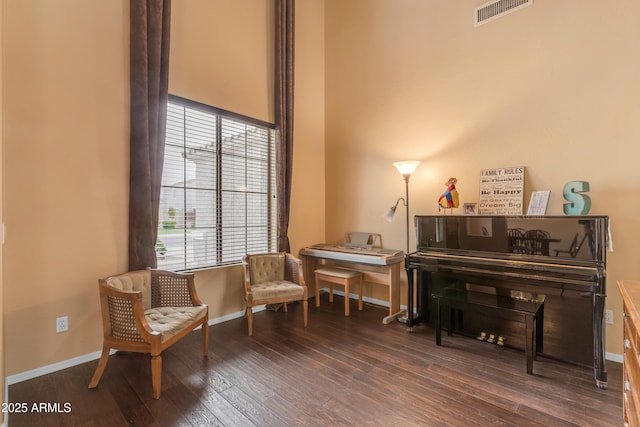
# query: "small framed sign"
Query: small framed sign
{"points": [[538, 202]]}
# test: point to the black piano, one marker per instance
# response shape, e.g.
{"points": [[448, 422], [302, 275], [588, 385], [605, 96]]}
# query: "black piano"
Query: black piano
{"points": [[558, 259]]}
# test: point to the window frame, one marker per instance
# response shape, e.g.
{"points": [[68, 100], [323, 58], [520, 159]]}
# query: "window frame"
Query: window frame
{"points": [[268, 205]]}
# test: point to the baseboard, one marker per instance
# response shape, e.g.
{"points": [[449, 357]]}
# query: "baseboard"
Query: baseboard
{"points": [[614, 357], [5, 419], [27, 375], [374, 301]]}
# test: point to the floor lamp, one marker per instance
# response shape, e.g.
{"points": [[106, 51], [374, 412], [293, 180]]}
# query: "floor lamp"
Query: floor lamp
{"points": [[406, 169]]}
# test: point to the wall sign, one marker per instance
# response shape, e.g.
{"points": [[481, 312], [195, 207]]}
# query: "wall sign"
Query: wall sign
{"points": [[501, 191], [538, 202]]}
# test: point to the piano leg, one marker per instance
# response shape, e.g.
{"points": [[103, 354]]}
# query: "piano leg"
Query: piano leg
{"points": [[409, 296], [438, 322], [529, 341], [600, 370]]}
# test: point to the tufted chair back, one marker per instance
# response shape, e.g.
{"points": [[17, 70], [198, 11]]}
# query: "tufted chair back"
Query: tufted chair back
{"points": [[147, 311], [276, 279], [134, 281], [266, 267]]}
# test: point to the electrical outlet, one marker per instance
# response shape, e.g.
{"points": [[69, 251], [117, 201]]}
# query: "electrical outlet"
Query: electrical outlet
{"points": [[608, 317], [62, 324]]}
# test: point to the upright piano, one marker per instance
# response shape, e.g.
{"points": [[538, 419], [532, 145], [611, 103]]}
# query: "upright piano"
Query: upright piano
{"points": [[559, 258]]}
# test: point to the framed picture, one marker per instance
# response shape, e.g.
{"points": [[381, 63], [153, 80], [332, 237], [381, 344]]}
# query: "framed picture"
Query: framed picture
{"points": [[470, 208], [538, 202], [501, 191]]}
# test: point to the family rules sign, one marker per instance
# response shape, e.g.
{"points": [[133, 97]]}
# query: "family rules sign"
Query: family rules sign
{"points": [[501, 191]]}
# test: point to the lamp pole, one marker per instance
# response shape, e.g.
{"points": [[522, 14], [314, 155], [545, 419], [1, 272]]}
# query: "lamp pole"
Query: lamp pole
{"points": [[406, 169], [406, 182]]}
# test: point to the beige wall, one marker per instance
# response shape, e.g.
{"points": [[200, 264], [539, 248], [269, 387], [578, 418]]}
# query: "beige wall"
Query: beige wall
{"points": [[65, 97], [553, 87], [65, 89], [307, 219], [222, 55], [2, 346]]}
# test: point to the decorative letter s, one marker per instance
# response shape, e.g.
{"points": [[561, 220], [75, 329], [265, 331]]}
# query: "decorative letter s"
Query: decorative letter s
{"points": [[580, 204]]}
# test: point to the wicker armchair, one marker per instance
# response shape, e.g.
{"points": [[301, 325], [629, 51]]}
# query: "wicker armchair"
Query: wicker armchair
{"points": [[273, 278], [147, 311]]}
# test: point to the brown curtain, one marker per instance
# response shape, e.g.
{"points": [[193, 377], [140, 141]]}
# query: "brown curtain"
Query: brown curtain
{"points": [[149, 28], [284, 52]]}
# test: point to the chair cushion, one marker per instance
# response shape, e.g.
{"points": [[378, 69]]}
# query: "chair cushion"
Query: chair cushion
{"points": [[135, 281], [342, 273], [171, 320], [266, 268], [276, 288]]}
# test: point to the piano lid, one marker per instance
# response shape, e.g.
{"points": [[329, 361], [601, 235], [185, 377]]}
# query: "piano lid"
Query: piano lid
{"points": [[566, 239]]}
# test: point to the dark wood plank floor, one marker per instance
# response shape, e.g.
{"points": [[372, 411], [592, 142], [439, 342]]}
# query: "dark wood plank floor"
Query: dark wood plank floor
{"points": [[337, 371]]}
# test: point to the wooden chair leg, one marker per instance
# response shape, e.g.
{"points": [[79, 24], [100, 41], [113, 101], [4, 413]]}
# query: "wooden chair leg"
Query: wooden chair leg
{"points": [[205, 337], [102, 363], [305, 310], [156, 375], [331, 292], [317, 292], [346, 298], [360, 305], [284, 307], [250, 319]]}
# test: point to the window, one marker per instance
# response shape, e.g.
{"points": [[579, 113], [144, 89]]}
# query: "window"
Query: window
{"points": [[217, 201]]}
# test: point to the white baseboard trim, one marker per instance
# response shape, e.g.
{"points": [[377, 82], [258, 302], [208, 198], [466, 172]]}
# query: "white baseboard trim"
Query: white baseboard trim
{"points": [[5, 421], [614, 357], [608, 356], [27, 375], [374, 301]]}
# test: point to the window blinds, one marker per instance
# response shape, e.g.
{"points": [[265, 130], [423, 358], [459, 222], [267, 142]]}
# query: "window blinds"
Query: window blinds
{"points": [[217, 200]]}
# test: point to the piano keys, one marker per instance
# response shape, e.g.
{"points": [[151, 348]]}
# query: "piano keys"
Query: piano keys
{"points": [[374, 256], [491, 254]]}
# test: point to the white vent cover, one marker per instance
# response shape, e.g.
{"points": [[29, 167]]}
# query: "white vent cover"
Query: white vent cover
{"points": [[497, 8]]}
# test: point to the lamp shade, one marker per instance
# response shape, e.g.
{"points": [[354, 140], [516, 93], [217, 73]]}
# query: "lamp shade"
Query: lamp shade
{"points": [[406, 168], [388, 215]]}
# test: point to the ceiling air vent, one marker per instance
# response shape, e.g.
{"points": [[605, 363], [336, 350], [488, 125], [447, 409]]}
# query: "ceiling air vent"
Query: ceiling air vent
{"points": [[497, 8]]}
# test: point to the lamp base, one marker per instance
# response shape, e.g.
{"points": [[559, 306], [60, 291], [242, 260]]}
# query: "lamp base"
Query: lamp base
{"points": [[403, 318], [400, 316]]}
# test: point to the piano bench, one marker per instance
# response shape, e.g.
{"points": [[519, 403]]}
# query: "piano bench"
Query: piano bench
{"points": [[339, 276], [531, 310]]}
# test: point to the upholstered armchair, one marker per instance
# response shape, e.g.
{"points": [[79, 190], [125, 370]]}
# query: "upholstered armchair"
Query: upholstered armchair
{"points": [[147, 311], [273, 278]]}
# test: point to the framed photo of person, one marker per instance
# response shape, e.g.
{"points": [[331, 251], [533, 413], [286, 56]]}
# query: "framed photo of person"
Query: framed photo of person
{"points": [[470, 208]]}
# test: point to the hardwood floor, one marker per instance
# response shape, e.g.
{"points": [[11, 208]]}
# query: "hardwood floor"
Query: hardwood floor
{"points": [[337, 371]]}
